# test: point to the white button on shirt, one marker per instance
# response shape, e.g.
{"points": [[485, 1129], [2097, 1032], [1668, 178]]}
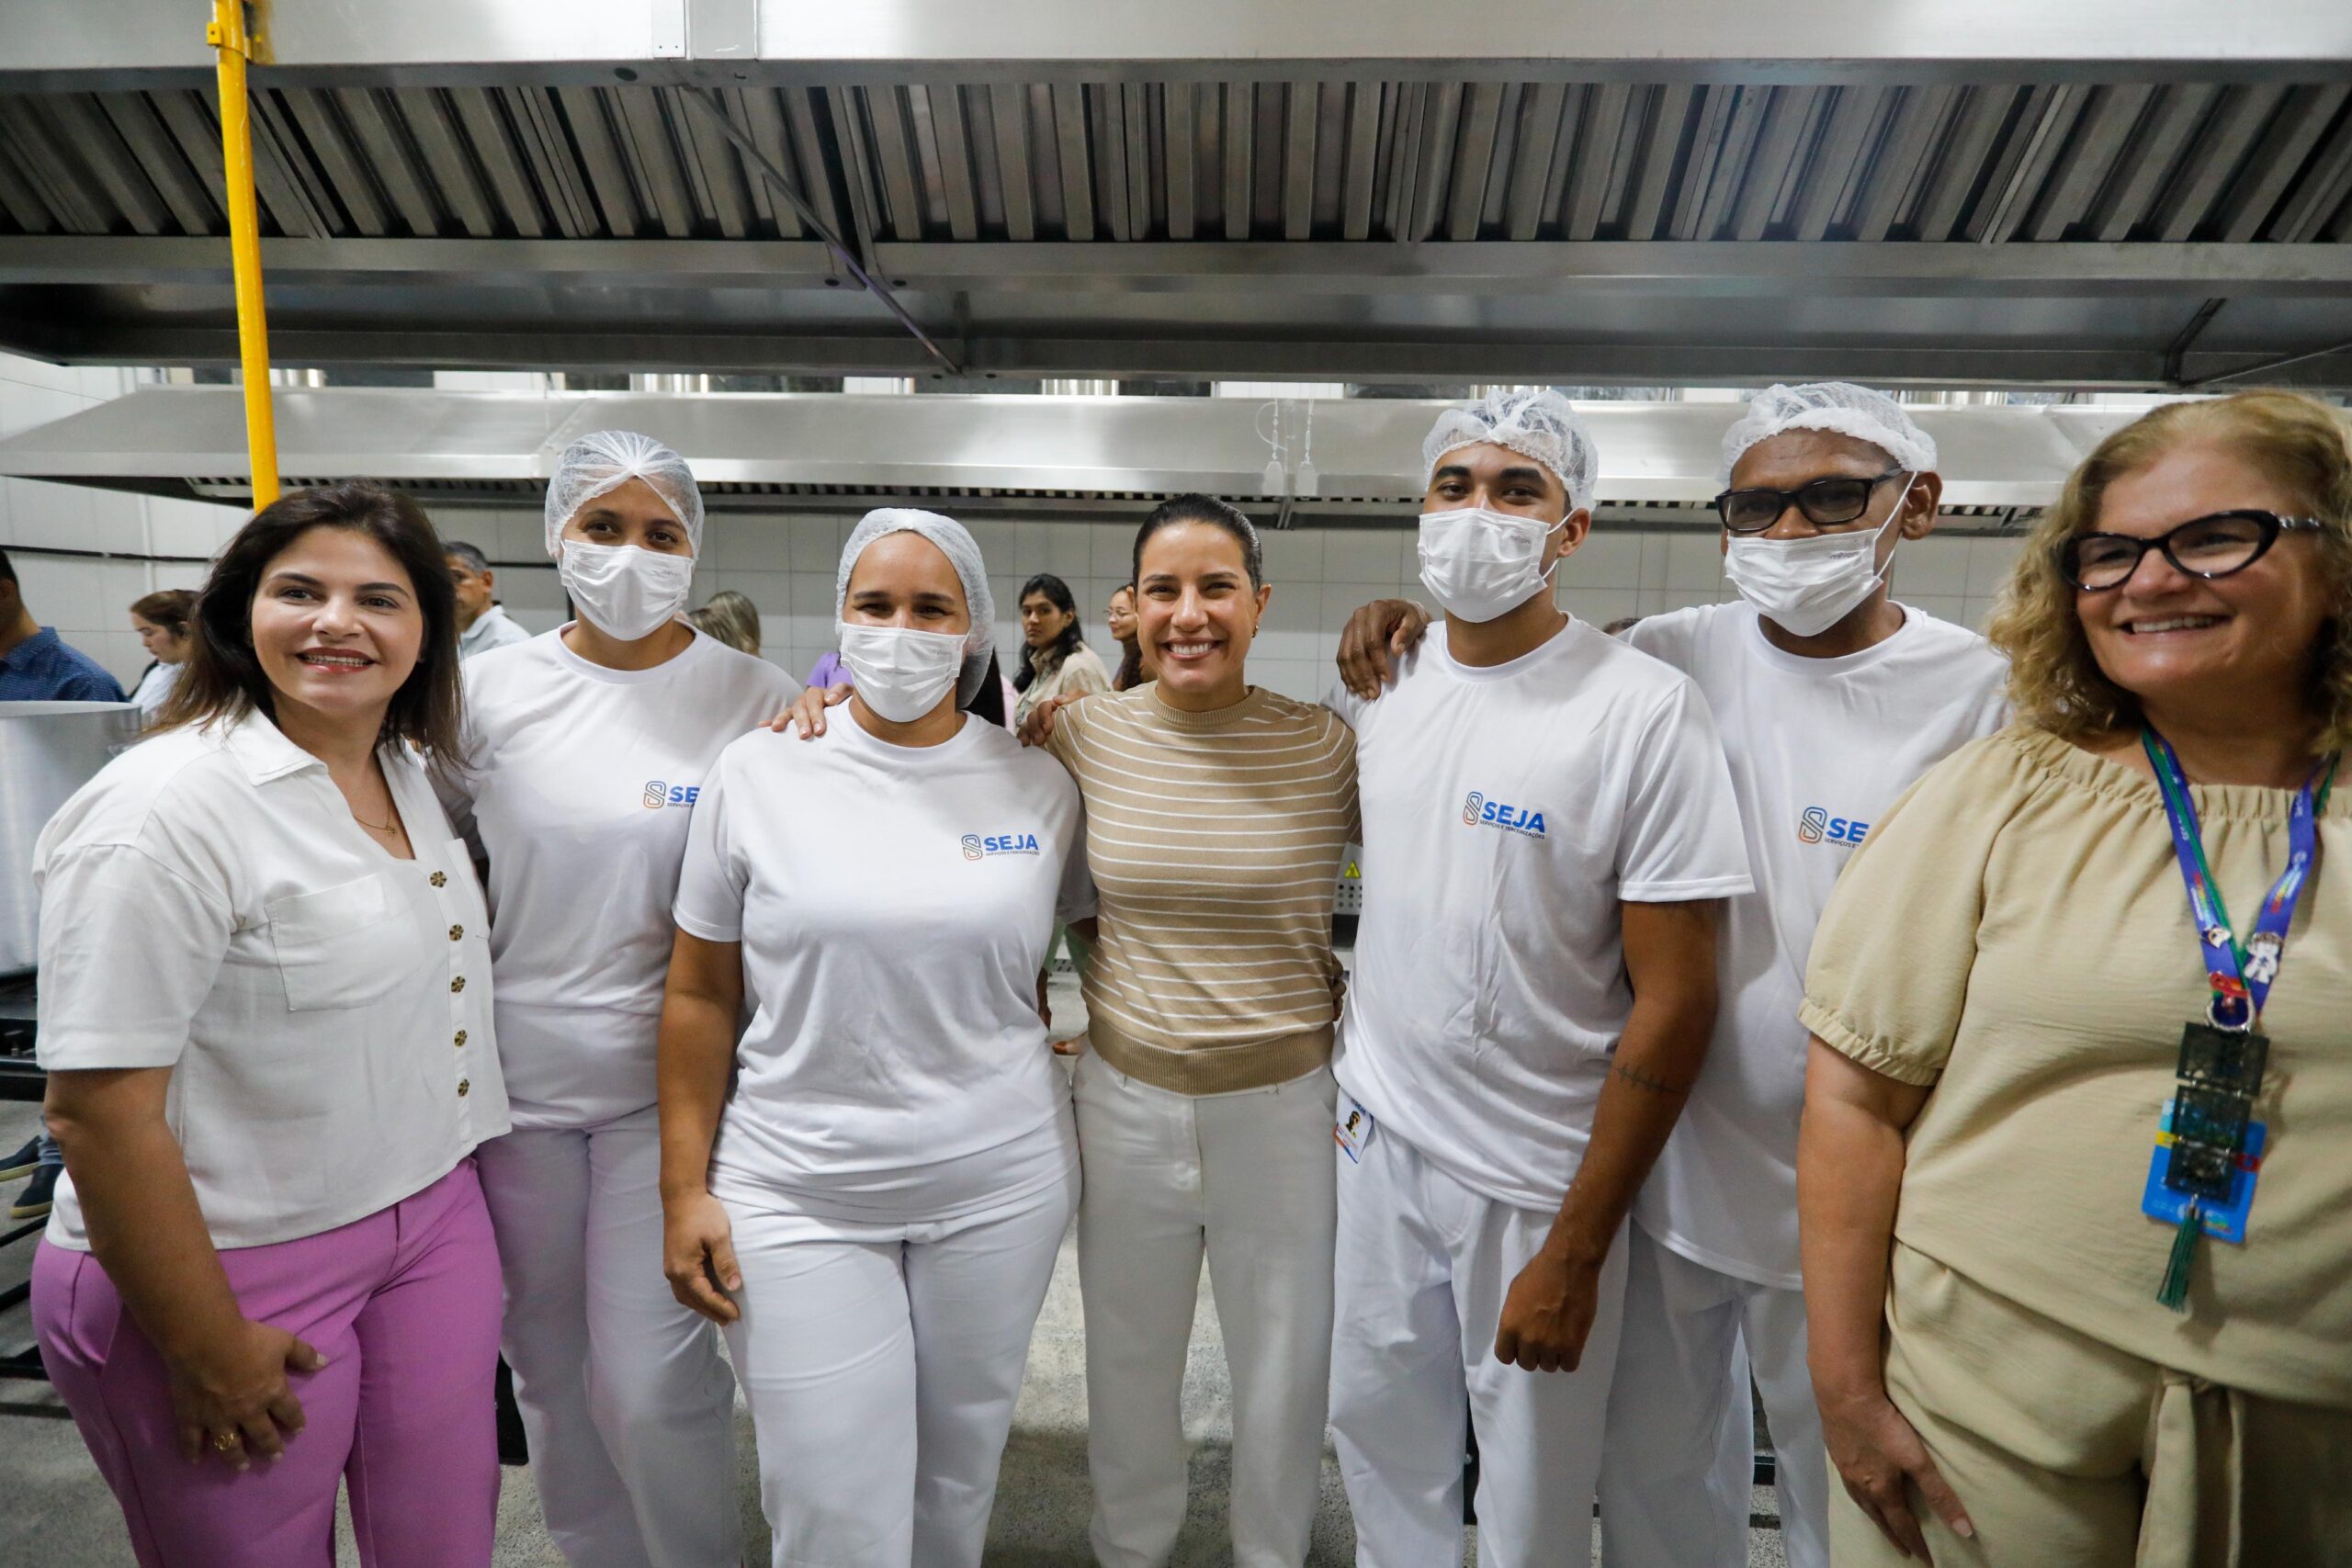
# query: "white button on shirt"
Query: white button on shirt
{"points": [[208, 904]]}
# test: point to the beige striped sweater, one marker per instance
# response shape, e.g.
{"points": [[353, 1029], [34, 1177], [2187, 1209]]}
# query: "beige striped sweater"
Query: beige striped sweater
{"points": [[1214, 839]]}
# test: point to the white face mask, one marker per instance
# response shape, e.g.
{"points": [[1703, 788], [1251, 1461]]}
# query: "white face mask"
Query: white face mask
{"points": [[1806, 586], [625, 592], [1480, 563], [900, 672]]}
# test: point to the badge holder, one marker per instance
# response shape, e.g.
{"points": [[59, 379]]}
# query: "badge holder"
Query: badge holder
{"points": [[2208, 1147]]}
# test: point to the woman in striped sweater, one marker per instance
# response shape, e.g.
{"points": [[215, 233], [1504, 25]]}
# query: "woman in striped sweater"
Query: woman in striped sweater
{"points": [[1217, 813]]}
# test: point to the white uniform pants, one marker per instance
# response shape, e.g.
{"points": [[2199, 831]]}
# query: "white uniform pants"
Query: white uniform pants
{"points": [[881, 1377], [628, 1403], [1423, 1266], [1673, 1487], [1246, 1178]]}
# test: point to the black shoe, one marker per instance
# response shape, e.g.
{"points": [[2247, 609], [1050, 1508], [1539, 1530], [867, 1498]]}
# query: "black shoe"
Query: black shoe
{"points": [[23, 1162], [33, 1202]]}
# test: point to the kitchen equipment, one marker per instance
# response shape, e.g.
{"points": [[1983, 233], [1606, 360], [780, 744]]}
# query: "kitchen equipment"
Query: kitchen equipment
{"points": [[47, 752]]}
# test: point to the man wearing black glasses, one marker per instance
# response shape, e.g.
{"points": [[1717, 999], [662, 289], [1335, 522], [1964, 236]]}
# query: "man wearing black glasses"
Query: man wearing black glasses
{"points": [[1832, 699]]}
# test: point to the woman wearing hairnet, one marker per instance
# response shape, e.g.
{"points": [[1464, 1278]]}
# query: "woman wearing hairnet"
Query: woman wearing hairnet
{"points": [[1218, 814], [590, 746], [874, 1209]]}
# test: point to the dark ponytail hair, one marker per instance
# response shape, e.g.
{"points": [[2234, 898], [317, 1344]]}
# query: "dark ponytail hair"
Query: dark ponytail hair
{"points": [[1217, 514], [988, 702], [1056, 591]]}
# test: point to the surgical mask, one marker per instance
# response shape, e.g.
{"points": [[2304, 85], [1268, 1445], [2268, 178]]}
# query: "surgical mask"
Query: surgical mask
{"points": [[625, 592], [1480, 563], [1806, 586], [901, 673]]}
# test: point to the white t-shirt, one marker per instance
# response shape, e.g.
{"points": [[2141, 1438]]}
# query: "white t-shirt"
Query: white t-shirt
{"points": [[893, 920], [1507, 812], [1819, 748], [208, 904], [582, 781]]}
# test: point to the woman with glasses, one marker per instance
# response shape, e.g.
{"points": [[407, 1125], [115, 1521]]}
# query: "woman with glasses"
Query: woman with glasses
{"points": [[2073, 1172]]}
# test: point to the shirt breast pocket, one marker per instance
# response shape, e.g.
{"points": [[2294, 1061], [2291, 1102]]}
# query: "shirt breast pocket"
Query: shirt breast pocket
{"points": [[344, 947]]}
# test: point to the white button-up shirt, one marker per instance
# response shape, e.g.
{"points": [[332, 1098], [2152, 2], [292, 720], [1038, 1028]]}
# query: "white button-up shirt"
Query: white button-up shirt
{"points": [[209, 905]]}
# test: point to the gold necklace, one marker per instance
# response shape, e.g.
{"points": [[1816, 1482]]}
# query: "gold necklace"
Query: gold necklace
{"points": [[392, 827]]}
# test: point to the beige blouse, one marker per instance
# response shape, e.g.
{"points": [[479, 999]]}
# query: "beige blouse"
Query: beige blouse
{"points": [[1079, 674], [2015, 933]]}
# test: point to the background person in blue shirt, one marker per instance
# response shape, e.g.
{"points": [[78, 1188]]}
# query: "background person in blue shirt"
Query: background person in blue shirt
{"points": [[36, 667]]}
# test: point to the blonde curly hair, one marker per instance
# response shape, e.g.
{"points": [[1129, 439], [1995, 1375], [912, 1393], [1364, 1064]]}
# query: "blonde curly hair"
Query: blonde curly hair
{"points": [[2054, 682]]}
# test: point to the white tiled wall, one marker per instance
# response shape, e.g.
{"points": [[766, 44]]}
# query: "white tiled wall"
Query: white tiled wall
{"points": [[89, 601], [784, 564]]}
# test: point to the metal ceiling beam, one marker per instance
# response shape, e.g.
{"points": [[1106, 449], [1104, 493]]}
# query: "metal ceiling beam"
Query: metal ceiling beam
{"points": [[1907, 269], [1356, 359], [1826, 40]]}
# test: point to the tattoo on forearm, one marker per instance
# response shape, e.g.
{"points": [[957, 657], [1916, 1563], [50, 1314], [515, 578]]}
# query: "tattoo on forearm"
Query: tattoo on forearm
{"points": [[1640, 1079]]}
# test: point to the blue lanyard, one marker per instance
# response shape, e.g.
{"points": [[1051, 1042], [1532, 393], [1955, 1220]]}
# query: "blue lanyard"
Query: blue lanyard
{"points": [[2240, 975]]}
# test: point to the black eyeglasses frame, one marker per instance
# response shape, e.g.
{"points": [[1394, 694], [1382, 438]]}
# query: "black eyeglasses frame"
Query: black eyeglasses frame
{"points": [[2272, 525], [1786, 498]]}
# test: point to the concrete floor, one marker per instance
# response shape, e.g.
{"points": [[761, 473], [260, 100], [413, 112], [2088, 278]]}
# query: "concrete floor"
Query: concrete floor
{"points": [[56, 1513]]}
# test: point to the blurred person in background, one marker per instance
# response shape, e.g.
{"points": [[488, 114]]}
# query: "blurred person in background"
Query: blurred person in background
{"points": [[264, 1014], [1121, 613], [731, 618], [161, 620], [2072, 1171], [1054, 659], [482, 625], [36, 666]]}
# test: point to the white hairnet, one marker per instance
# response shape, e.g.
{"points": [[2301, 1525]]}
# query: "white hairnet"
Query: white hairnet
{"points": [[1839, 407], [1539, 425], [606, 459], [963, 553]]}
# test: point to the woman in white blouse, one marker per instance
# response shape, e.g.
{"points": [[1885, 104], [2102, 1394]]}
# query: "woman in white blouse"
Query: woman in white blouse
{"points": [[161, 620], [873, 1208], [266, 1020]]}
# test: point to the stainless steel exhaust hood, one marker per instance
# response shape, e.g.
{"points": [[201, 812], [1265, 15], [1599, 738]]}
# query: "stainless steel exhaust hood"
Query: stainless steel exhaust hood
{"points": [[1037, 456]]}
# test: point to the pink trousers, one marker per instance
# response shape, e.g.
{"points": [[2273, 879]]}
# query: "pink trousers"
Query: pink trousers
{"points": [[404, 1305]]}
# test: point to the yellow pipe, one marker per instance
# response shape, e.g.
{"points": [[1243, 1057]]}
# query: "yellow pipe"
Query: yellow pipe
{"points": [[233, 47]]}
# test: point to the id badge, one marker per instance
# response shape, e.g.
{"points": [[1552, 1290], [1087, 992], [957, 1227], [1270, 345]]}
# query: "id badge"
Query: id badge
{"points": [[2224, 1216], [1352, 1132]]}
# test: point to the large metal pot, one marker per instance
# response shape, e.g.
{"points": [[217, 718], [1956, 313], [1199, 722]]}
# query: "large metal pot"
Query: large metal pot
{"points": [[47, 752]]}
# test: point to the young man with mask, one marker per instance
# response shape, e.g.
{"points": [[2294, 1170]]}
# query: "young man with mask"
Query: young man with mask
{"points": [[1832, 699], [1548, 831]]}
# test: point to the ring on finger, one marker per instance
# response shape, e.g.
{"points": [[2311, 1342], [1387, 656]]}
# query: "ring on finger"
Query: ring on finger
{"points": [[226, 1442]]}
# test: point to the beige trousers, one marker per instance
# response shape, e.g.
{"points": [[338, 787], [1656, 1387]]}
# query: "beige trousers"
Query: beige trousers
{"points": [[2069, 1453]]}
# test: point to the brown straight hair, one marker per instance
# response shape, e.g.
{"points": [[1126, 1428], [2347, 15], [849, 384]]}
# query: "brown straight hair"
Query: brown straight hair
{"points": [[222, 678], [166, 608]]}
